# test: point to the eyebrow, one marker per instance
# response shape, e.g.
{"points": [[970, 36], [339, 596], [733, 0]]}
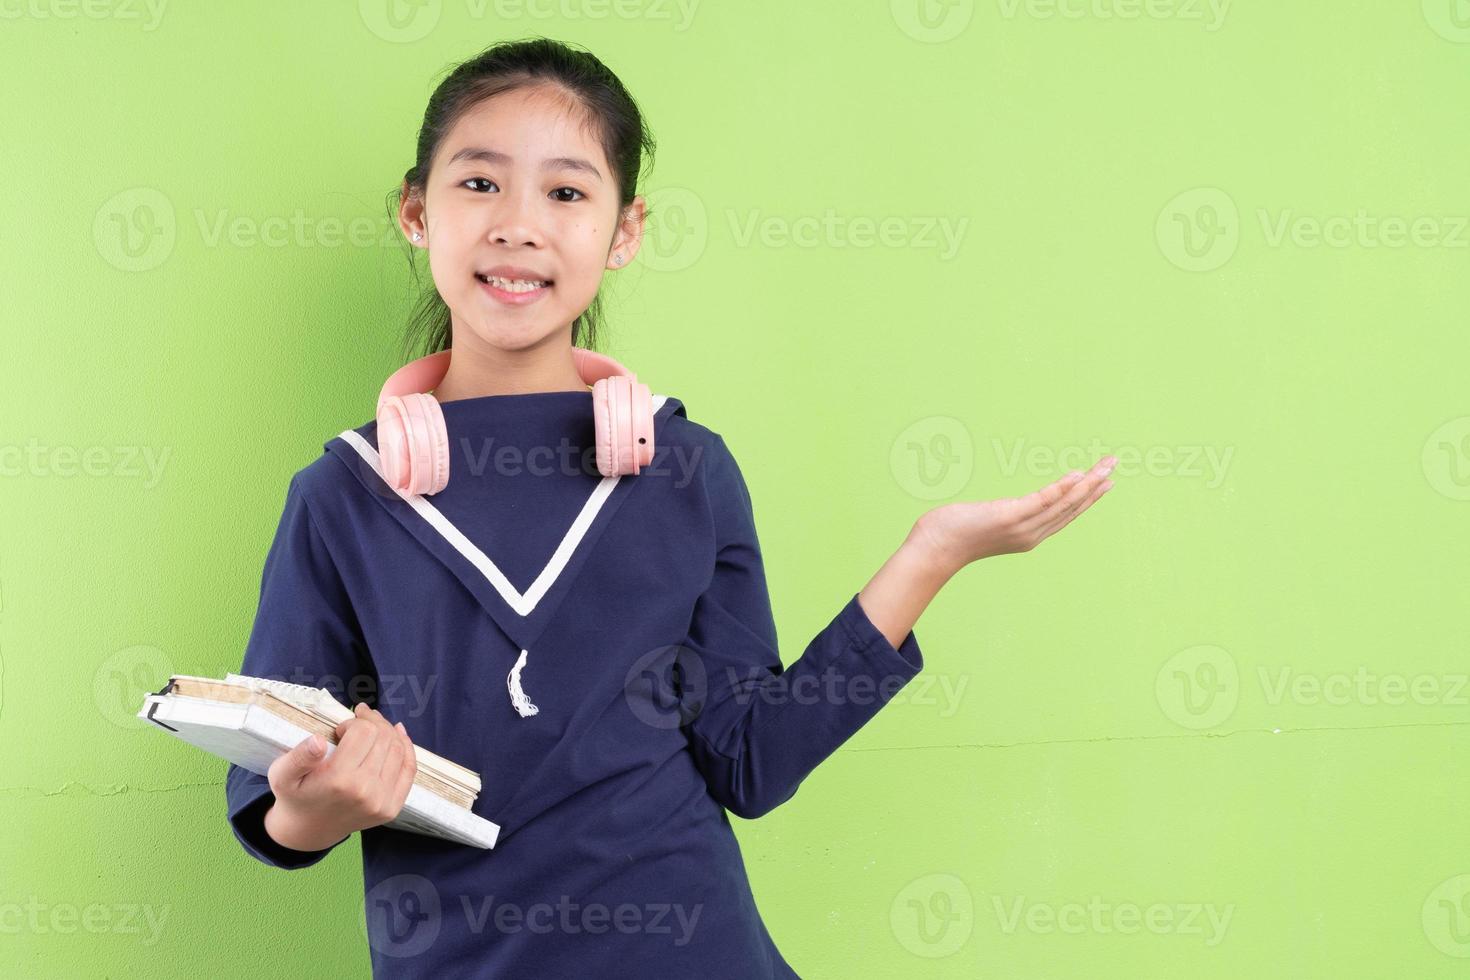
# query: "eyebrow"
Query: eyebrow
{"points": [[496, 157]]}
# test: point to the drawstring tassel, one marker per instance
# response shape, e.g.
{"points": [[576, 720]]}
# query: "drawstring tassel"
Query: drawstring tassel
{"points": [[518, 697]]}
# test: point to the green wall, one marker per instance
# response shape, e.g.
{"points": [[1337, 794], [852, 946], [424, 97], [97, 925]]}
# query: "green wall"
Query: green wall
{"points": [[1216, 728]]}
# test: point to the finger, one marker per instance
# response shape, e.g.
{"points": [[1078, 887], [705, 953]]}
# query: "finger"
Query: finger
{"points": [[1038, 501], [383, 739], [392, 758], [296, 764], [1074, 495], [402, 780], [358, 740], [404, 783], [358, 711], [1092, 498]]}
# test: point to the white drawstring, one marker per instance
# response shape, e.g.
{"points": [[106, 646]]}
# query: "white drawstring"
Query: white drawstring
{"points": [[518, 697]]}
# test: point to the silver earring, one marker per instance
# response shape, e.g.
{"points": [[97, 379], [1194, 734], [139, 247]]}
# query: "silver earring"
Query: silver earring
{"points": [[417, 236], [618, 259]]}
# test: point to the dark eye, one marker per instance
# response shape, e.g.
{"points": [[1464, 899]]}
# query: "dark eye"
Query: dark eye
{"points": [[481, 179], [572, 189]]}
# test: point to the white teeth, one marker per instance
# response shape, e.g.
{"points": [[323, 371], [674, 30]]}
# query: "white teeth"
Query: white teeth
{"points": [[515, 285]]}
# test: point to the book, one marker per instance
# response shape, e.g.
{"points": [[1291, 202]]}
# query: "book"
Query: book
{"points": [[252, 721]]}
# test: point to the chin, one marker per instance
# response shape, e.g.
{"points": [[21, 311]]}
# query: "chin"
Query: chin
{"points": [[515, 336]]}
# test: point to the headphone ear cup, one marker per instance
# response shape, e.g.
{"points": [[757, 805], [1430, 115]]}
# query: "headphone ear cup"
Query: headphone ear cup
{"points": [[393, 442], [428, 444], [620, 404], [602, 426], [622, 413], [641, 435], [413, 444]]}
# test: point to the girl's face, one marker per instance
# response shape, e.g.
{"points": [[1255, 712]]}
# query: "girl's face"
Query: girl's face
{"points": [[519, 183]]}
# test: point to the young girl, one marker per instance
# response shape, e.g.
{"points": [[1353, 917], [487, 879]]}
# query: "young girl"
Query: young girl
{"points": [[560, 588]]}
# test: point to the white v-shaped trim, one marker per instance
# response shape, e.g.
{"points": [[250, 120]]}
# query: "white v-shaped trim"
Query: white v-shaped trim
{"points": [[522, 604]]}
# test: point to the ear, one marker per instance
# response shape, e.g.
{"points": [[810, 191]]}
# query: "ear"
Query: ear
{"points": [[411, 216], [629, 234]]}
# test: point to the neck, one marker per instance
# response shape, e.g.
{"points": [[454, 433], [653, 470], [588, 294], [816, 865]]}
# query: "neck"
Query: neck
{"points": [[477, 369]]}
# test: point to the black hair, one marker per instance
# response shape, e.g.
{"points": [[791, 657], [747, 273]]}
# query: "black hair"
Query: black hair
{"points": [[589, 85]]}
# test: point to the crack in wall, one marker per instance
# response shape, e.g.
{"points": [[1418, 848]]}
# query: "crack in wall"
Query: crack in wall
{"points": [[82, 789]]}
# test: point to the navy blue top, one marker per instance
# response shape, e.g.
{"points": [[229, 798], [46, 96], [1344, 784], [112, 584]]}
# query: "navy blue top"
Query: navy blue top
{"points": [[652, 662]]}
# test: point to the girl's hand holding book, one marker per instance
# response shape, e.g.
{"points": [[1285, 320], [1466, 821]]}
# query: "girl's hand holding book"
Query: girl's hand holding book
{"points": [[320, 800]]}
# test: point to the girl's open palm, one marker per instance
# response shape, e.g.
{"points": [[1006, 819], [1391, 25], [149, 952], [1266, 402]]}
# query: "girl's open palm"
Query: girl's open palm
{"points": [[971, 530]]}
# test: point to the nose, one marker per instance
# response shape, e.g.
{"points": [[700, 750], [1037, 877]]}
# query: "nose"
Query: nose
{"points": [[516, 221]]}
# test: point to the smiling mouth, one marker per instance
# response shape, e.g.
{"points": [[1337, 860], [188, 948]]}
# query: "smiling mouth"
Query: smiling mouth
{"points": [[513, 285]]}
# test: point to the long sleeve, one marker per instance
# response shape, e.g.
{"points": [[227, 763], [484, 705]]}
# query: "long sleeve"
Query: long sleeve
{"points": [[757, 730], [305, 632]]}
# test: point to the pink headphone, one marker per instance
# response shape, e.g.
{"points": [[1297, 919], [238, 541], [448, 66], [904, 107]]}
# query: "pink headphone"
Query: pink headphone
{"points": [[414, 445]]}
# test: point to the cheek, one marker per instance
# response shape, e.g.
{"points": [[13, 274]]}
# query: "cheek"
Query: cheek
{"points": [[445, 267]]}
